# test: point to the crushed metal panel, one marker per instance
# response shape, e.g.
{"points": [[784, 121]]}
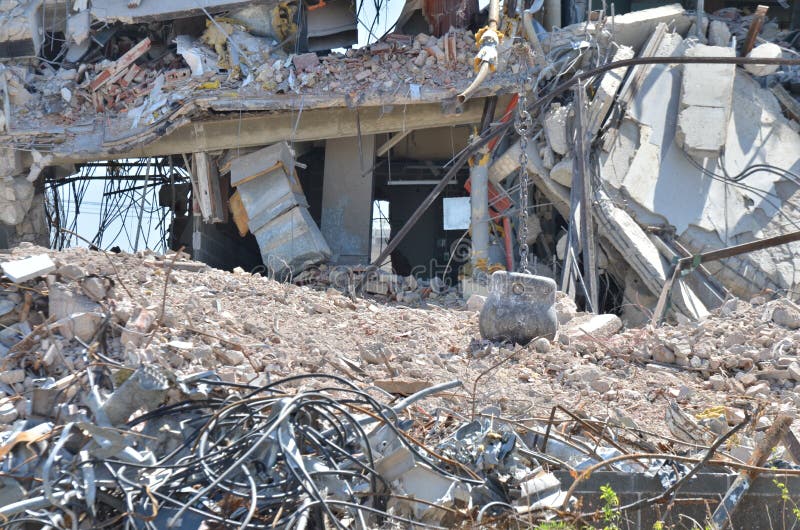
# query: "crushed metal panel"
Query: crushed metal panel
{"points": [[291, 241], [276, 209]]}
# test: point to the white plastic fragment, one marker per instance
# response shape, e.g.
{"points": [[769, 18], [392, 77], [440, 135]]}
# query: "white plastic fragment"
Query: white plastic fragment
{"points": [[29, 268]]}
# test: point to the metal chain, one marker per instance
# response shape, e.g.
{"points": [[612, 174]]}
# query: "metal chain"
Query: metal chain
{"points": [[523, 125]]}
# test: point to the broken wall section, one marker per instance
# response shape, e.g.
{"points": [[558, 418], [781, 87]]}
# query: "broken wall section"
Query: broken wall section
{"points": [[709, 194]]}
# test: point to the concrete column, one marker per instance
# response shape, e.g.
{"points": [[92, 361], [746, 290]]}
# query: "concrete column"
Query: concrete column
{"points": [[479, 205], [347, 198]]}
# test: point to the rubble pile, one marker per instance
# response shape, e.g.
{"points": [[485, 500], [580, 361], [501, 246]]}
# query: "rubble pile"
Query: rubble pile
{"points": [[381, 285], [156, 389], [399, 67]]}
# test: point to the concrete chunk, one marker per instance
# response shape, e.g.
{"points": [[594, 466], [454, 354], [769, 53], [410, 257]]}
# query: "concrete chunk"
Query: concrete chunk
{"points": [[596, 326], [557, 128], [29, 268], [562, 172], [768, 50], [718, 33], [705, 103], [699, 130]]}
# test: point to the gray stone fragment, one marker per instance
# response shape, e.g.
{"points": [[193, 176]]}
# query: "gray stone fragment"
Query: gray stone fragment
{"points": [[786, 316], [230, 357], [541, 345], [475, 302], [566, 309], [794, 371], [71, 272], [717, 382], [11, 377], [719, 34], [597, 326], [600, 385], [94, 288]]}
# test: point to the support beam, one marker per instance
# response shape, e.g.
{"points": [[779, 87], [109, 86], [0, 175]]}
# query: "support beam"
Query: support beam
{"points": [[209, 195], [582, 175], [236, 131], [391, 142], [347, 198]]}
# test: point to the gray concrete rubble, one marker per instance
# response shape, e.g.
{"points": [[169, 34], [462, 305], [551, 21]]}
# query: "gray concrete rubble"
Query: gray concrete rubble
{"points": [[183, 370]]}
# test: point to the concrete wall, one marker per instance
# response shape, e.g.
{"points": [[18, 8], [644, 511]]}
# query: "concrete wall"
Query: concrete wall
{"points": [[761, 508]]}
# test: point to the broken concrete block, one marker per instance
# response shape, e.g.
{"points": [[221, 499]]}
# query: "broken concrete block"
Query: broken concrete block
{"points": [[305, 61], [596, 326], [137, 328], [64, 302], [541, 345], [719, 34], [79, 26], [794, 371], [566, 309], [558, 128], [562, 172], [705, 103], [10, 377], [8, 411], [71, 272], [94, 288], [144, 390], [229, 357], [275, 204], [401, 387], [768, 50], [786, 316], [16, 197], [82, 326], [20, 271], [475, 302]]}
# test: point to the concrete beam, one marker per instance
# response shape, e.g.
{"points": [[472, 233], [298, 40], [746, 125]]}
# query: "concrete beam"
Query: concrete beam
{"points": [[233, 131]]}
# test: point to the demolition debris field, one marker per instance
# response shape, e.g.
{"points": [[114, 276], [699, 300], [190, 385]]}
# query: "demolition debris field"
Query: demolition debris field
{"points": [[403, 395]]}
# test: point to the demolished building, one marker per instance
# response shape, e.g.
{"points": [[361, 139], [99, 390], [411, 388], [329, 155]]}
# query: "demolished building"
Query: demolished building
{"points": [[282, 146], [644, 163]]}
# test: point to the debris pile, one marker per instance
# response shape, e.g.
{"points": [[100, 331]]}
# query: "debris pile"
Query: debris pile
{"points": [[381, 285], [150, 399]]}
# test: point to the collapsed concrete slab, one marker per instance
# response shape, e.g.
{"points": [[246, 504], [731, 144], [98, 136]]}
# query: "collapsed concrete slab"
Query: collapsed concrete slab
{"points": [[704, 200], [705, 103]]}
